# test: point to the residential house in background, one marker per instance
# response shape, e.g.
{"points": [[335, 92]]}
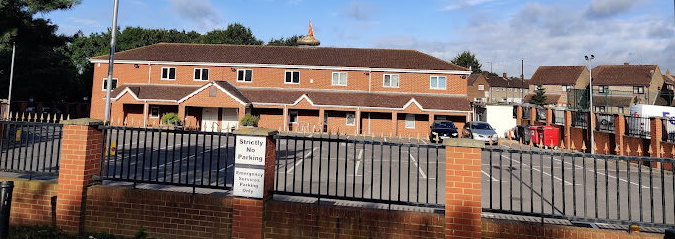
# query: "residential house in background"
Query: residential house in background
{"points": [[496, 89], [617, 87], [303, 88], [557, 82], [478, 89]]}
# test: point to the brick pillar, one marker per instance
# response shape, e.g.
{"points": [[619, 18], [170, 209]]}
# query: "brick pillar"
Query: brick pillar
{"points": [[146, 111], [568, 129], [80, 161], [549, 117], [463, 188], [357, 121], [519, 115], [322, 115], [533, 115], [656, 128], [248, 208], [619, 132], [181, 113]]}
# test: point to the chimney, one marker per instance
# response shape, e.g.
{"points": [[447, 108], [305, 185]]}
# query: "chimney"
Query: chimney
{"points": [[504, 75], [626, 63]]}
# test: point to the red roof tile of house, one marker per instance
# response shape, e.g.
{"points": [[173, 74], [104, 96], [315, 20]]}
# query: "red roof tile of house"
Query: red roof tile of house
{"points": [[557, 75], [637, 75], [286, 55]]}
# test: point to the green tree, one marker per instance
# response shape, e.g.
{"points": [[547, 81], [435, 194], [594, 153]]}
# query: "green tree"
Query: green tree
{"points": [[468, 59], [234, 34], [539, 97], [43, 70], [290, 41]]}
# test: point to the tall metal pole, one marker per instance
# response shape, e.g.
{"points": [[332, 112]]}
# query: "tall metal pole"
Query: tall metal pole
{"points": [[11, 78], [111, 62], [590, 84], [522, 79]]}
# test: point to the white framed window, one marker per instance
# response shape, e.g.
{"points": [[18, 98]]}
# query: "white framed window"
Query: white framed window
{"points": [[510, 89], [565, 88], [201, 74], [390, 80], [437, 82], [292, 77], [154, 112], [168, 73], [244, 75], [481, 87], [521, 90], [350, 119], [105, 84], [638, 89], [504, 89], [409, 121], [603, 89], [339, 78]]}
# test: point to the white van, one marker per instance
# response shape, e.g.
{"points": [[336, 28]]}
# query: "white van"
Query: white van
{"points": [[646, 111]]}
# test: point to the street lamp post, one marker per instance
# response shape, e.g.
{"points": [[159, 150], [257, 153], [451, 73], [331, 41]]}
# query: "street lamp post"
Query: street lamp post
{"points": [[590, 100], [11, 77], [110, 62]]}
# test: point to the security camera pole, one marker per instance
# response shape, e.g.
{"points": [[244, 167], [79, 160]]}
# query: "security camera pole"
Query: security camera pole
{"points": [[110, 63], [590, 85]]}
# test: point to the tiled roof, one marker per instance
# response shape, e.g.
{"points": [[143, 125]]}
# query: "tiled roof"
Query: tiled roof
{"points": [[497, 81], [156, 92], [286, 55], [472, 78], [550, 98], [612, 101], [354, 99], [638, 75], [318, 97], [557, 75]]}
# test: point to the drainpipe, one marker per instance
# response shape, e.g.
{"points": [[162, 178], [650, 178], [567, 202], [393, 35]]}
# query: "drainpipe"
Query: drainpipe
{"points": [[370, 82]]}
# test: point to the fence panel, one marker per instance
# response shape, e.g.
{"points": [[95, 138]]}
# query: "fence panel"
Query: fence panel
{"points": [[559, 117], [168, 157], [638, 127], [361, 170], [580, 119], [579, 187], [526, 113], [30, 147], [668, 130], [604, 122], [541, 114]]}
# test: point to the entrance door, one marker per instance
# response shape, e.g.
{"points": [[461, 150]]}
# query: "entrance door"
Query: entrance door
{"points": [[230, 119], [210, 119]]}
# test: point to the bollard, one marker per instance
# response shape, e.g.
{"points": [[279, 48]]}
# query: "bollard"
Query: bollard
{"points": [[6, 189]]}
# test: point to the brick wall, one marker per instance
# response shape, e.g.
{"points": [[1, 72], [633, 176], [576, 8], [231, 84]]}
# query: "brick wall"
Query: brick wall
{"points": [[32, 202], [301, 220], [123, 211], [496, 228]]}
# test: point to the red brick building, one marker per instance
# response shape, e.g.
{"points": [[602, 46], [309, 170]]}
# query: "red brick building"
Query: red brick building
{"points": [[347, 90]]}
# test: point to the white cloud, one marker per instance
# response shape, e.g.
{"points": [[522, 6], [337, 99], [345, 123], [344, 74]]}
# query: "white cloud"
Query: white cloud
{"points": [[201, 13], [360, 10], [608, 8], [554, 35], [458, 4]]}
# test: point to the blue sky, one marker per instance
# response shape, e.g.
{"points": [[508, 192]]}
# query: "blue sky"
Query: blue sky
{"points": [[554, 32]]}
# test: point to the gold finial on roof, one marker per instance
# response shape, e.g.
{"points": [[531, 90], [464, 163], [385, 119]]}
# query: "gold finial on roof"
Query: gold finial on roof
{"points": [[309, 40]]}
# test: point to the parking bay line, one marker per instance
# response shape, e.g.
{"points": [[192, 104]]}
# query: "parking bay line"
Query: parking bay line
{"points": [[300, 161], [590, 170], [418, 166], [559, 179]]}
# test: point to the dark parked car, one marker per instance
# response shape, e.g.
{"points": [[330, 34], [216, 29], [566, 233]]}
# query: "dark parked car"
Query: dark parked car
{"points": [[441, 130]]}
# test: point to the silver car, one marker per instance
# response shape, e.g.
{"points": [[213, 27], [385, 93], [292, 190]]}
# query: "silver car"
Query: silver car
{"points": [[482, 131]]}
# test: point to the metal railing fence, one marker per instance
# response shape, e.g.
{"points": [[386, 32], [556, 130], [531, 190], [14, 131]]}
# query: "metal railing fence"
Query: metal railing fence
{"points": [[668, 131], [559, 117], [541, 114], [30, 147], [604, 122], [361, 170], [168, 157], [526, 112], [638, 127], [579, 187], [580, 119]]}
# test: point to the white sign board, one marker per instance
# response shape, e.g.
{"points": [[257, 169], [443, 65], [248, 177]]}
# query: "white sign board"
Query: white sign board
{"points": [[250, 150], [249, 182]]}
